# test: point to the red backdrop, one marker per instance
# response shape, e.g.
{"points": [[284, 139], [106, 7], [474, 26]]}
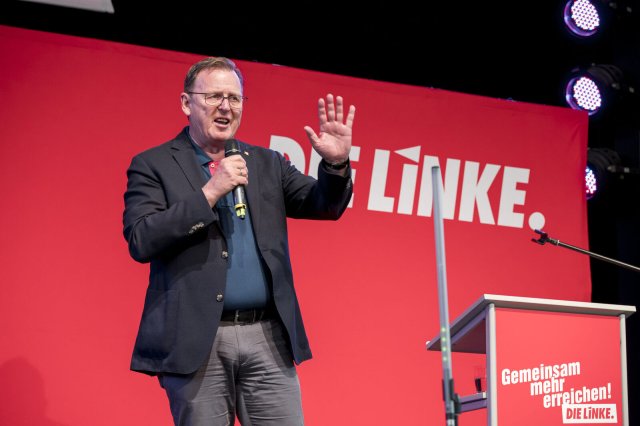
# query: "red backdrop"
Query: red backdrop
{"points": [[75, 111]]}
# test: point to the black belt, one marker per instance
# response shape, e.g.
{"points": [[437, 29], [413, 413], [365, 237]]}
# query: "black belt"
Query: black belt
{"points": [[246, 316]]}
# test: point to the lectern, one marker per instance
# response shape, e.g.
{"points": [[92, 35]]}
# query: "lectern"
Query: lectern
{"points": [[548, 362]]}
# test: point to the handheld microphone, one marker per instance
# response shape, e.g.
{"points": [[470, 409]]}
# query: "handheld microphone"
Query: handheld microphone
{"points": [[239, 199]]}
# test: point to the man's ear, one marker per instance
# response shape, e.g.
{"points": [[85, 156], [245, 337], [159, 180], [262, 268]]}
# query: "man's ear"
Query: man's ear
{"points": [[185, 103]]}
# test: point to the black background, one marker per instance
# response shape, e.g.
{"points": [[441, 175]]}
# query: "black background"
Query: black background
{"points": [[510, 50]]}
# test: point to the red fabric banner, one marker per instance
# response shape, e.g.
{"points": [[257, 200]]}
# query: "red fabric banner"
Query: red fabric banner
{"points": [[72, 297]]}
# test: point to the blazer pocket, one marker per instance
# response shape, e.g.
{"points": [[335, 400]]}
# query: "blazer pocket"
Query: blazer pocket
{"points": [[158, 324]]}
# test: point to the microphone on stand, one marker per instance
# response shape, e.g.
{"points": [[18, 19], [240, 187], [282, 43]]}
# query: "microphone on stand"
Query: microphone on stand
{"points": [[239, 198]]}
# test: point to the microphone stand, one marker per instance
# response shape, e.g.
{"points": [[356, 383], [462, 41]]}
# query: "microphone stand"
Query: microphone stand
{"points": [[544, 238], [451, 399]]}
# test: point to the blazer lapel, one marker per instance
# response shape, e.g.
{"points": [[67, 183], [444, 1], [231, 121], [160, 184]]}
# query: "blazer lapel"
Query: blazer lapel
{"points": [[184, 155], [186, 159]]}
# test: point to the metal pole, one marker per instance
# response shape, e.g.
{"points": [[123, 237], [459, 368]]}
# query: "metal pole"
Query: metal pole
{"points": [[450, 398]]}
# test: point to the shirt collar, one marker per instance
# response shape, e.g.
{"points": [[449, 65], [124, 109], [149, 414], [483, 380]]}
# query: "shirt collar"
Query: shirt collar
{"points": [[203, 158]]}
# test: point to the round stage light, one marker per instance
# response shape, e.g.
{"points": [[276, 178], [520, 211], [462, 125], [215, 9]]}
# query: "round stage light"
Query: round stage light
{"points": [[583, 93], [595, 87], [590, 183], [603, 165], [582, 17]]}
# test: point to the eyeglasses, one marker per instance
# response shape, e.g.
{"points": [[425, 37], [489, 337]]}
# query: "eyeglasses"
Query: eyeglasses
{"points": [[216, 99]]}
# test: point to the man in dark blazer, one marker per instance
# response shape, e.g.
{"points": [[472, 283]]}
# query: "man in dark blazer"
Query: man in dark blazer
{"points": [[221, 325]]}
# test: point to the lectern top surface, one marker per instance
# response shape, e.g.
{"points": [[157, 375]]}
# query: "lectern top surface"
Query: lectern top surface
{"points": [[469, 318]]}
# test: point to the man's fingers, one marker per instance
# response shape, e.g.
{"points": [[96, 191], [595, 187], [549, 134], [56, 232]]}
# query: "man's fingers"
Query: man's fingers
{"points": [[331, 111], [322, 112], [351, 116]]}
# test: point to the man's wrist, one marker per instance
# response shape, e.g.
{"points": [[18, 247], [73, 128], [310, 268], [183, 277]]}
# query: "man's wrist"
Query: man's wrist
{"points": [[339, 165]]}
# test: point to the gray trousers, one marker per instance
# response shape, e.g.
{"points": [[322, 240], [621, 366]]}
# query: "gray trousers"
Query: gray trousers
{"points": [[249, 374]]}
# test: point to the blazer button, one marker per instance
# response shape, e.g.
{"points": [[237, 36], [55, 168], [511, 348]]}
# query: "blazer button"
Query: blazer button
{"points": [[219, 298], [225, 254]]}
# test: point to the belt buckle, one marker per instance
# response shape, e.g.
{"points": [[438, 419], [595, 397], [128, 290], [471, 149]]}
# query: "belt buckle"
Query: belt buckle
{"points": [[237, 319], [242, 316]]}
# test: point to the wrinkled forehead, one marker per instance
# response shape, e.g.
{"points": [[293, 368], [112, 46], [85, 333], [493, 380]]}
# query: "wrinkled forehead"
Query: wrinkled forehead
{"points": [[212, 79]]}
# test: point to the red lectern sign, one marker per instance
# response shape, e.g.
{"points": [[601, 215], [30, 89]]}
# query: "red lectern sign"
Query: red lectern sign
{"points": [[549, 362], [557, 368]]}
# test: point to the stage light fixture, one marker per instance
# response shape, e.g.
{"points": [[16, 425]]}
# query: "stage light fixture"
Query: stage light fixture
{"points": [[582, 17], [595, 87], [603, 165], [590, 183]]}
